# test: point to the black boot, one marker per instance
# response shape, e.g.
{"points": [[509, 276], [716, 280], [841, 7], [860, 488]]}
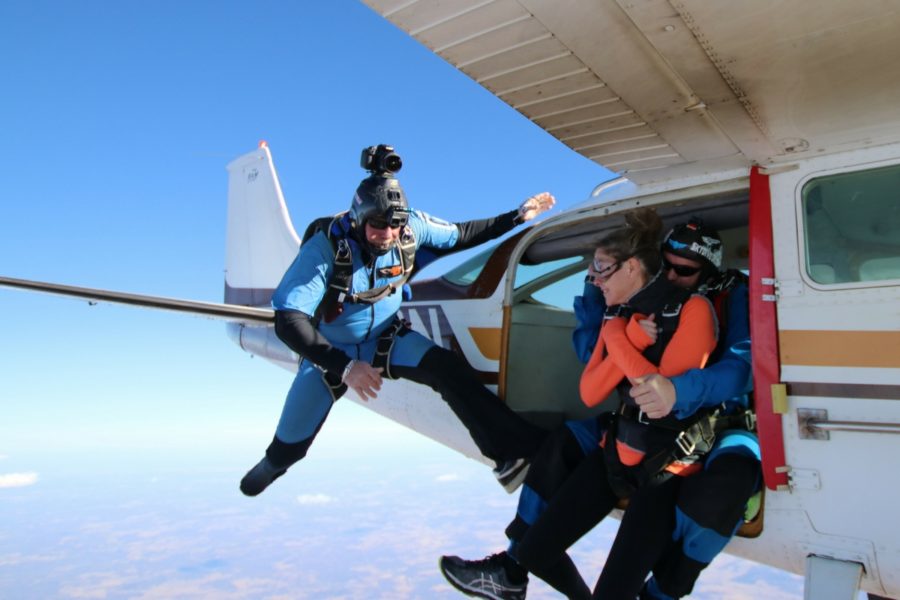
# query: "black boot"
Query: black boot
{"points": [[259, 477], [279, 456]]}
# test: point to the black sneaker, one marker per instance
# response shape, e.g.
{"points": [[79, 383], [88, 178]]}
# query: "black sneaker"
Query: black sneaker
{"points": [[511, 474], [485, 578], [259, 477]]}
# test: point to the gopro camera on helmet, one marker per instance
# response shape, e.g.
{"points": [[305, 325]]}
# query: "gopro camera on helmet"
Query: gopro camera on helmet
{"points": [[380, 160]]}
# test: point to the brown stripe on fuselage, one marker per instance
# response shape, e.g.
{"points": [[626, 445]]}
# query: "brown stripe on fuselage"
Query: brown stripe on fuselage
{"points": [[840, 348], [488, 341], [844, 390]]}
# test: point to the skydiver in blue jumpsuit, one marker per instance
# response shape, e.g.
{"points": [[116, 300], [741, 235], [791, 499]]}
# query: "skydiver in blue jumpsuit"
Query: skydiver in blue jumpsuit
{"points": [[337, 343]]}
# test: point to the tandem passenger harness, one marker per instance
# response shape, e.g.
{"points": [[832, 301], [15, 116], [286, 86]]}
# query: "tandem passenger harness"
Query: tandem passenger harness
{"points": [[691, 438]]}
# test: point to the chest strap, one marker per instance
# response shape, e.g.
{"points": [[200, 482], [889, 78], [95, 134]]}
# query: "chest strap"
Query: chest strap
{"points": [[338, 292]]}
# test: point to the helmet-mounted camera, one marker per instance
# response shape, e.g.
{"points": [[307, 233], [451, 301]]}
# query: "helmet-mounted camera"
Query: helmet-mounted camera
{"points": [[380, 160]]}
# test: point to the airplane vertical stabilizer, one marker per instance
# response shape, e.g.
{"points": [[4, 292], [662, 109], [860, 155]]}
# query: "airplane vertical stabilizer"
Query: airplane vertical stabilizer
{"points": [[261, 241]]}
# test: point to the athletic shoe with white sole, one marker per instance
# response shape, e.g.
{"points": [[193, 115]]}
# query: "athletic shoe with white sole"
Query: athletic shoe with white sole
{"points": [[512, 473], [485, 578]]}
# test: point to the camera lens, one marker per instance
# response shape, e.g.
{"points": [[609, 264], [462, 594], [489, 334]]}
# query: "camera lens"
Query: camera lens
{"points": [[392, 162]]}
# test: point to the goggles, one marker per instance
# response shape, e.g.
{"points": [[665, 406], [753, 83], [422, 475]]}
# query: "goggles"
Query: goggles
{"points": [[680, 270], [601, 272], [394, 219]]}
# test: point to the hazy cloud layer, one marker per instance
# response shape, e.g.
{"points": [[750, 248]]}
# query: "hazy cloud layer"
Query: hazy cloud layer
{"points": [[327, 529], [14, 480]]}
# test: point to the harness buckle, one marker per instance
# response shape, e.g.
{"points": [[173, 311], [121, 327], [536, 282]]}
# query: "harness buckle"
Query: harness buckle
{"points": [[642, 418], [684, 444], [750, 420], [671, 310], [343, 251], [618, 310]]}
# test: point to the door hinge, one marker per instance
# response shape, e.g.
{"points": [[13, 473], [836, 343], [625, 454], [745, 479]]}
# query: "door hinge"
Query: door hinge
{"points": [[781, 289], [773, 283], [799, 479]]}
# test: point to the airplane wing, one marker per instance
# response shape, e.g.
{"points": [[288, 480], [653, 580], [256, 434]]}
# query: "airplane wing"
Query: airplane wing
{"points": [[664, 89], [226, 312]]}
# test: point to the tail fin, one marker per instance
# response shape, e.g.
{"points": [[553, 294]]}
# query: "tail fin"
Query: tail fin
{"points": [[261, 242]]}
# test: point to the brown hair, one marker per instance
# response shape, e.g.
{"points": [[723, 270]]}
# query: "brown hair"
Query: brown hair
{"points": [[639, 238]]}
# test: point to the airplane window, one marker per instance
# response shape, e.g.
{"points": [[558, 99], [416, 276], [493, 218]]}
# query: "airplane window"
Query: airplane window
{"points": [[528, 273], [468, 272], [561, 294], [552, 283], [852, 226]]}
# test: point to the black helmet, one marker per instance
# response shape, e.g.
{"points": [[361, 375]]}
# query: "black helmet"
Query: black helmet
{"points": [[379, 196], [695, 241]]}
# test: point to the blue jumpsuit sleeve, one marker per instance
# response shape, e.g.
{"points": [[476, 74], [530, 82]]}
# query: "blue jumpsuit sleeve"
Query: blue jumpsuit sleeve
{"points": [[728, 378], [304, 283], [433, 232], [589, 310]]}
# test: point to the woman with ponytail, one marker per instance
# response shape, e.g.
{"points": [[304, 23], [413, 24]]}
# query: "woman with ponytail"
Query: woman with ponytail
{"points": [[584, 468]]}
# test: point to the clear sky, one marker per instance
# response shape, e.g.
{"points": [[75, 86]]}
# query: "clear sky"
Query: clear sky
{"points": [[116, 121]]}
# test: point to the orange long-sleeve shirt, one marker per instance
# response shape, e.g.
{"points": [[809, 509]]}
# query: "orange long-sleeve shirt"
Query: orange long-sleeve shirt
{"points": [[690, 347]]}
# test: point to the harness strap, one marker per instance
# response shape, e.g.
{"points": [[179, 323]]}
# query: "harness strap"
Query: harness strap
{"points": [[332, 381], [696, 440], [332, 304], [383, 347], [385, 344], [342, 276]]}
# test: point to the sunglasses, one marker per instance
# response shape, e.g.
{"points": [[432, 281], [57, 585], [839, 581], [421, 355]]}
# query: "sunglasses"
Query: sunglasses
{"points": [[680, 270], [397, 219], [602, 273]]}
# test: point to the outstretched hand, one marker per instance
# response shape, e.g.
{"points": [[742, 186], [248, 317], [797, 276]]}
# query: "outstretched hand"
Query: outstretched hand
{"points": [[537, 204], [364, 379], [654, 394]]}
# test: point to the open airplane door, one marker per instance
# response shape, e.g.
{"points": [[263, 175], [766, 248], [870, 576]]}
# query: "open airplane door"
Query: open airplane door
{"points": [[836, 289]]}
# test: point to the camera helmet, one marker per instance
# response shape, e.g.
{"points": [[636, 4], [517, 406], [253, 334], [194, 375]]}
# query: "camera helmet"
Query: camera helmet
{"points": [[696, 241], [379, 196]]}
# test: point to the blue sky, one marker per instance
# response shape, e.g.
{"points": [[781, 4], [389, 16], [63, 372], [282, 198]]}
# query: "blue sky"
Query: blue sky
{"points": [[119, 124], [117, 120]]}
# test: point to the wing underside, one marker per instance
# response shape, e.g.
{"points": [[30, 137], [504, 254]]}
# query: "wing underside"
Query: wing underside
{"points": [[660, 89]]}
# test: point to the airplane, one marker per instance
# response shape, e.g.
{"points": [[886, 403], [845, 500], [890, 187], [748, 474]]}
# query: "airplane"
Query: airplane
{"points": [[775, 122]]}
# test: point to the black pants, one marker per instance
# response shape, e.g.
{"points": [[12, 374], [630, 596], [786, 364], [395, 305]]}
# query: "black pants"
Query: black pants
{"points": [[644, 535], [499, 433], [713, 500], [581, 501]]}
